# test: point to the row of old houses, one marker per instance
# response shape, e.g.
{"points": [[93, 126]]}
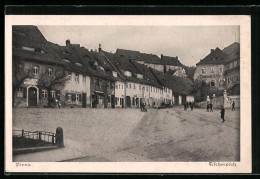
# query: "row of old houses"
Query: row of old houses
{"points": [[43, 72], [221, 69]]}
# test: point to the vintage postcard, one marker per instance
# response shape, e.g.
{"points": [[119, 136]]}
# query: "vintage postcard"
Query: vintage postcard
{"points": [[128, 94]]}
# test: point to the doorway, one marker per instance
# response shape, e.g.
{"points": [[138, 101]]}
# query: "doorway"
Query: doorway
{"points": [[84, 100], [32, 97]]}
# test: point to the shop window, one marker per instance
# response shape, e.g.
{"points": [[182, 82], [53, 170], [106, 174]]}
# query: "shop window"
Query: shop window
{"points": [[19, 92]]}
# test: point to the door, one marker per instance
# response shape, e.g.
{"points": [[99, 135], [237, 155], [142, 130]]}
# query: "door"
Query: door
{"points": [[32, 96], [112, 101], [123, 102], [128, 101], [84, 100]]}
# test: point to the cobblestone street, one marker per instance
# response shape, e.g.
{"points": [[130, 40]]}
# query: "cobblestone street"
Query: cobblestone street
{"points": [[131, 135]]}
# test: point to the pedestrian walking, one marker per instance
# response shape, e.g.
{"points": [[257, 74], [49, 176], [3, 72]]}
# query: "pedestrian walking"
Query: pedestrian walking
{"points": [[191, 105], [59, 104], [141, 105], [222, 112], [207, 106], [211, 107], [233, 105], [184, 105]]}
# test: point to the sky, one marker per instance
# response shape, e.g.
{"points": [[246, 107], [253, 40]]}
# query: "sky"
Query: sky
{"points": [[189, 43]]}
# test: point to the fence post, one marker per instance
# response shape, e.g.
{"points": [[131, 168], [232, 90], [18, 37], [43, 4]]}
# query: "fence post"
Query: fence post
{"points": [[59, 137], [22, 132], [52, 139], [40, 136]]}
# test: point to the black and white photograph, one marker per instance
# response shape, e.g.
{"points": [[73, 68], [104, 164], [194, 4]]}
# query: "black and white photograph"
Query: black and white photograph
{"points": [[107, 93]]}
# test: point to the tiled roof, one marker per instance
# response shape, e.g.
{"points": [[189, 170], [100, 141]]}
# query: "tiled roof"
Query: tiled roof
{"points": [[173, 61], [215, 57], [233, 51], [31, 37]]}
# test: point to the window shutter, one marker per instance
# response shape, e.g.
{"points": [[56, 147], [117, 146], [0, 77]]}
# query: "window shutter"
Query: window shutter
{"points": [[58, 94], [24, 92], [73, 97], [66, 97], [40, 93], [80, 97]]}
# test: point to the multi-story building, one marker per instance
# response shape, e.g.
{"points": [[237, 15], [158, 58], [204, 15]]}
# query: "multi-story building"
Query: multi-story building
{"points": [[220, 68]]}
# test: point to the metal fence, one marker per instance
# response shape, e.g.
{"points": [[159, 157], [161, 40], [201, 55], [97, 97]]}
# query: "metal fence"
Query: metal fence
{"points": [[49, 137]]}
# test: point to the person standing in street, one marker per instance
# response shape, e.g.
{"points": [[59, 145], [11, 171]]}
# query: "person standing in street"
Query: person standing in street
{"points": [[222, 112], [211, 107], [233, 105], [191, 106]]}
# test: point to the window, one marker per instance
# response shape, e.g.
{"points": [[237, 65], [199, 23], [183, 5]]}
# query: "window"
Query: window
{"points": [[228, 80], [53, 94], [231, 65], [203, 71], [66, 60], [84, 79], [212, 70], [35, 70], [119, 86], [232, 79], [140, 87], [133, 86], [116, 86], [212, 83], [20, 68], [68, 75], [77, 97], [126, 86], [122, 86], [44, 93], [221, 69], [146, 88], [130, 86], [19, 92], [69, 97], [151, 88], [49, 70], [77, 77]]}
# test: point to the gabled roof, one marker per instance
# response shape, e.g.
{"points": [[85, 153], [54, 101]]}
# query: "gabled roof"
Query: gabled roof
{"points": [[215, 57], [126, 64], [30, 36], [173, 61], [233, 51]]}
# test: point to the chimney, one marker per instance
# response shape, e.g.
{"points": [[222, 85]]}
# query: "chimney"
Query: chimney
{"points": [[91, 50], [161, 56], [99, 47], [67, 42], [211, 50]]}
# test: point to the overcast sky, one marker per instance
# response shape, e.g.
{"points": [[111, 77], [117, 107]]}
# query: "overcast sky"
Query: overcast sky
{"points": [[189, 43]]}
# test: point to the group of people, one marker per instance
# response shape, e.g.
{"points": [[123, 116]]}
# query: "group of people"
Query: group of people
{"points": [[188, 104], [209, 107]]}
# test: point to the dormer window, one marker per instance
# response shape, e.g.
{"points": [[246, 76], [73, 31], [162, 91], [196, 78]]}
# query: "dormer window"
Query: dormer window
{"points": [[66, 60], [114, 74], [79, 64], [140, 76], [66, 52], [49, 71], [35, 70]]}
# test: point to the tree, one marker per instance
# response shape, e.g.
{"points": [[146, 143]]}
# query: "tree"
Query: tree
{"points": [[202, 90], [18, 78], [190, 71], [54, 80]]}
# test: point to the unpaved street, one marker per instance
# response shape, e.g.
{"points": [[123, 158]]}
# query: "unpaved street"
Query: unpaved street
{"points": [[130, 135]]}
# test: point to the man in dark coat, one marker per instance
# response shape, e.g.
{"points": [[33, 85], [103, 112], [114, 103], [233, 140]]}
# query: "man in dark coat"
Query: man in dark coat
{"points": [[222, 112], [211, 107], [233, 105], [191, 105], [207, 106]]}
